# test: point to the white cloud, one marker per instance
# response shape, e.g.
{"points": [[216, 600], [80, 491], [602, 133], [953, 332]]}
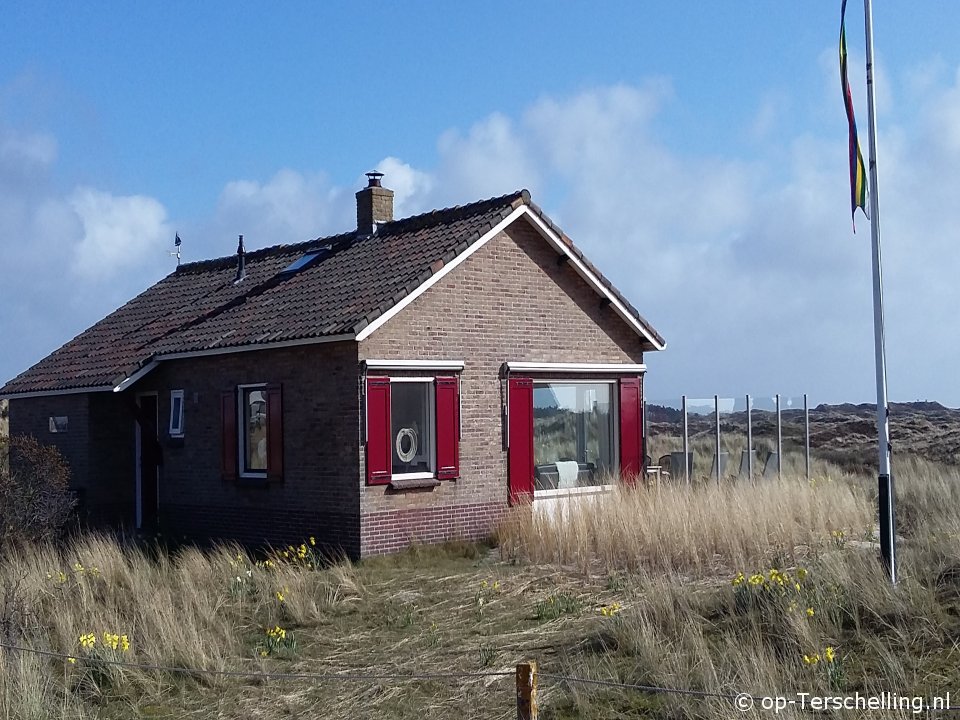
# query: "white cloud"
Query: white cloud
{"points": [[119, 233], [290, 207]]}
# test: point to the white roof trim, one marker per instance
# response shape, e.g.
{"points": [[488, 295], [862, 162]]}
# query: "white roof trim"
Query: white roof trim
{"points": [[439, 275], [379, 364], [136, 376], [591, 278], [625, 368]]}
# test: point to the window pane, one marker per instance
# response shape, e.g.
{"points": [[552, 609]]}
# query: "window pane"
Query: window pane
{"points": [[255, 430], [573, 434], [176, 413], [410, 424]]}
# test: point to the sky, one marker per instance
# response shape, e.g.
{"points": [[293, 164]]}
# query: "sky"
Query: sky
{"points": [[696, 152]]}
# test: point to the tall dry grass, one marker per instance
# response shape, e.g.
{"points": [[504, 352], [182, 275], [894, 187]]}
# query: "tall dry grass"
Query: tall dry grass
{"points": [[193, 609], [690, 622], [675, 528]]}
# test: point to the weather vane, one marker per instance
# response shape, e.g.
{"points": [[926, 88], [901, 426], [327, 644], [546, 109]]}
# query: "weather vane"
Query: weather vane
{"points": [[176, 251]]}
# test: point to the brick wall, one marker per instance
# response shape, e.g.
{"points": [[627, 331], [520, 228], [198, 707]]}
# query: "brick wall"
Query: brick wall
{"points": [[318, 494], [511, 300]]}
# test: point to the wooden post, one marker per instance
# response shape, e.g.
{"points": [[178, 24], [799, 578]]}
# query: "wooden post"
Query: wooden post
{"points": [[527, 691]]}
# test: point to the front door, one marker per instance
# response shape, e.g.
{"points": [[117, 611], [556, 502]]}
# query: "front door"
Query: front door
{"points": [[148, 462]]}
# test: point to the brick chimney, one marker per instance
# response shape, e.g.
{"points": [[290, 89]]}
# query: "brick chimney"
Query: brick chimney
{"points": [[374, 205]]}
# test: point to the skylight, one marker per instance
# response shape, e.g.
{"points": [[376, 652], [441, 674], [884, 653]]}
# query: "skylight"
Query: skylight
{"points": [[301, 262]]}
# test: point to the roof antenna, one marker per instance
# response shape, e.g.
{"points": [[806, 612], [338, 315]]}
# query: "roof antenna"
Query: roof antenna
{"points": [[176, 250]]}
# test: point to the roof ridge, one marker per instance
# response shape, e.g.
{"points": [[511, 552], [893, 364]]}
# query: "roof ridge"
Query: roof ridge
{"points": [[226, 261], [231, 260]]}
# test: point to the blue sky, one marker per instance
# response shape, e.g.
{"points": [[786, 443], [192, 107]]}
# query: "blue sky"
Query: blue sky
{"points": [[695, 151]]}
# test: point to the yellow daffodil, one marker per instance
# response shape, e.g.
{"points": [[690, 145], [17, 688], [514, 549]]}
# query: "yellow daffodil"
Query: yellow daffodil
{"points": [[829, 654], [810, 612], [313, 541], [738, 579]]}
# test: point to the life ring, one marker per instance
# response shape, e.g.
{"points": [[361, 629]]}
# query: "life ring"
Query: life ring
{"points": [[411, 452]]}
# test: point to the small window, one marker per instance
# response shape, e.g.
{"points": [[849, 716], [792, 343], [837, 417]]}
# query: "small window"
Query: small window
{"points": [[176, 413], [253, 430], [411, 426], [412, 429], [251, 438], [58, 424]]}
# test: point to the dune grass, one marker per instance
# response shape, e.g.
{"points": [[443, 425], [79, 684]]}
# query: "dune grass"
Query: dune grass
{"points": [[721, 589]]}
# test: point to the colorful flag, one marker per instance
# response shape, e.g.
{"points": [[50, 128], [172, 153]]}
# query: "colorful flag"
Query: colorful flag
{"points": [[858, 173]]}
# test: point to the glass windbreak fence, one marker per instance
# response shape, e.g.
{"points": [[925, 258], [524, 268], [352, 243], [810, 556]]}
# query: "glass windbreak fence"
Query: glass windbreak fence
{"points": [[727, 437]]}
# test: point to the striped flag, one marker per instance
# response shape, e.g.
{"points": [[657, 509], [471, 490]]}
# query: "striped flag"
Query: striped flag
{"points": [[858, 173]]}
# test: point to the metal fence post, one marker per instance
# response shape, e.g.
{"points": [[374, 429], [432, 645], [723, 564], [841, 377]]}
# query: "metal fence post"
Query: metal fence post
{"points": [[779, 442], [716, 419], [527, 691], [749, 439], [686, 441], [806, 430]]}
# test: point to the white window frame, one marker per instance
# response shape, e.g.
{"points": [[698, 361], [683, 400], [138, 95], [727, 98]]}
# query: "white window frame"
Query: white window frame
{"points": [[55, 424], [243, 472], [614, 409], [431, 383], [176, 419]]}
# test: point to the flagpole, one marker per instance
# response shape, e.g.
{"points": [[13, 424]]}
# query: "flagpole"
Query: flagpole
{"points": [[888, 540]]}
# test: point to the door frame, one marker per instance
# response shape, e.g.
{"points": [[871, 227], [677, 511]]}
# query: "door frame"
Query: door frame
{"points": [[139, 464]]}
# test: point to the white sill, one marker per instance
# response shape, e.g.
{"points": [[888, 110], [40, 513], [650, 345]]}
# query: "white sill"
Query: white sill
{"points": [[572, 492], [413, 476]]}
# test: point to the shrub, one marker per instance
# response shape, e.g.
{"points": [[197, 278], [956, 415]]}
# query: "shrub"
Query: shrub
{"points": [[35, 500]]}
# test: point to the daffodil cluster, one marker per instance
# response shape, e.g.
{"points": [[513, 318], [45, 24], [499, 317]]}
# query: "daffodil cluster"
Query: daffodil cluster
{"points": [[109, 641], [611, 609], [774, 580], [761, 587], [829, 656], [116, 642], [277, 639]]}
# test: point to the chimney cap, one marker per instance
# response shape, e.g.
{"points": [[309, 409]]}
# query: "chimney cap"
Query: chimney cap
{"points": [[373, 179]]}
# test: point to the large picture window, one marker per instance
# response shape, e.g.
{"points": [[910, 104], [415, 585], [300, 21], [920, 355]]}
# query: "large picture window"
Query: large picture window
{"points": [[574, 434]]}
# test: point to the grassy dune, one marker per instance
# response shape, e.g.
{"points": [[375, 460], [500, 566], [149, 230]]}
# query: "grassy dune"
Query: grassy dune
{"points": [[642, 587]]}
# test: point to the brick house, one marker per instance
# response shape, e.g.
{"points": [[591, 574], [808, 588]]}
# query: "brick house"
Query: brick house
{"points": [[406, 381]]}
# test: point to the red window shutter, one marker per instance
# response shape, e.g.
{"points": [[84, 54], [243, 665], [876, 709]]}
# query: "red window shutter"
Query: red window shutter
{"points": [[274, 432], [520, 437], [379, 458], [448, 428], [228, 435], [631, 429]]}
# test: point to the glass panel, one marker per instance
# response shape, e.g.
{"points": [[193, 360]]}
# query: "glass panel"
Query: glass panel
{"points": [[59, 424], [410, 427], [176, 413], [255, 430], [574, 434]]}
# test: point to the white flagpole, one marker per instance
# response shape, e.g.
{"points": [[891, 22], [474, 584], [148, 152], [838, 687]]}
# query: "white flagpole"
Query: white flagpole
{"points": [[888, 542]]}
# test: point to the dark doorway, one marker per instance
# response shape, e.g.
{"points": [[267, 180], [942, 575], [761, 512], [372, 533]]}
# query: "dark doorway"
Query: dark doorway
{"points": [[148, 463]]}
